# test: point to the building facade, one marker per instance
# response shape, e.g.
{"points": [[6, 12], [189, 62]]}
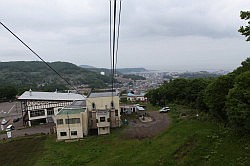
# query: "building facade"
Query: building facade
{"points": [[103, 111], [41, 107], [136, 97], [72, 121]]}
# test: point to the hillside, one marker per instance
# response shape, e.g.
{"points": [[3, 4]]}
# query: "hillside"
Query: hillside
{"points": [[36, 74], [87, 66]]}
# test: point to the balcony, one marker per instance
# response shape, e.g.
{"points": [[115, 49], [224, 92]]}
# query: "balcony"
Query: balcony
{"points": [[103, 124]]}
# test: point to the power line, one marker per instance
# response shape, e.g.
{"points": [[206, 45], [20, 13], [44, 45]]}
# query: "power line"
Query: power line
{"points": [[115, 38], [110, 35], [118, 33], [113, 51], [38, 56]]}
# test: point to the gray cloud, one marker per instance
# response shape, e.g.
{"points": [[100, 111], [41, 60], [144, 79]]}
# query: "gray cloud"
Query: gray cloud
{"points": [[183, 33]]}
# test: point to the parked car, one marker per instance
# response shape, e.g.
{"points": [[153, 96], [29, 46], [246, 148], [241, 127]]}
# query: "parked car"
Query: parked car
{"points": [[164, 109], [10, 127]]}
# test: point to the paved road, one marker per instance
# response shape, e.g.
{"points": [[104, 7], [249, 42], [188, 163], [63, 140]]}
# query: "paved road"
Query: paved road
{"points": [[10, 111], [44, 128], [10, 108]]}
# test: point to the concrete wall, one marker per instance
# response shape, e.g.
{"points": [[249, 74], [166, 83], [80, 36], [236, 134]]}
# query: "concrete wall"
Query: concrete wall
{"points": [[81, 128], [103, 102]]}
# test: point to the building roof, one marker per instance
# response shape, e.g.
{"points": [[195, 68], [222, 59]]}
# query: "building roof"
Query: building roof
{"points": [[130, 94], [77, 104], [75, 108], [140, 108], [32, 95], [67, 111], [135, 95], [101, 94]]}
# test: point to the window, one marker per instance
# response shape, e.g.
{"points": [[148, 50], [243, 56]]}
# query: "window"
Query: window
{"points": [[93, 106], [50, 111], [73, 132], [59, 121], [72, 120], [63, 134], [116, 112], [112, 104], [102, 119], [37, 113]]}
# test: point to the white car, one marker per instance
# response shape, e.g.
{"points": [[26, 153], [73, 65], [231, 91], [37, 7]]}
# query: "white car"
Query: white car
{"points": [[164, 109], [10, 128]]}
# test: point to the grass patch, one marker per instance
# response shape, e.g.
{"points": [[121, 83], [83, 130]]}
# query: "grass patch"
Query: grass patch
{"points": [[3, 132], [21, 151]]}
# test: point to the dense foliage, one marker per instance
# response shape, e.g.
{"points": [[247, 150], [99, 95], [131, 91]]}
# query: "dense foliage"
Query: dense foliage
{"points": [[226, 97], [7, 93], [245, 15], [182, 91]]}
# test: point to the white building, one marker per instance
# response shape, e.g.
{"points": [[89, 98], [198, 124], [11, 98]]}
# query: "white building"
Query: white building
{"points": [[136, 97], [41, 107]]}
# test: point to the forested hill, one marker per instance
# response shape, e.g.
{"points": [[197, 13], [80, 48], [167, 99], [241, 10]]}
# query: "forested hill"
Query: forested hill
{"points": [[36, 74]]}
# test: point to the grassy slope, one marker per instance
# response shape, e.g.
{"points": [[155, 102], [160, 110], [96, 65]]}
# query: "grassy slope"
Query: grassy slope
{"points": [[188, 141], [21, 151], [185, 142]]}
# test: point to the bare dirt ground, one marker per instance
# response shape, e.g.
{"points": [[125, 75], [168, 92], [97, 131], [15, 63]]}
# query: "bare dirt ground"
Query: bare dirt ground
{"points": [[140, 130]]}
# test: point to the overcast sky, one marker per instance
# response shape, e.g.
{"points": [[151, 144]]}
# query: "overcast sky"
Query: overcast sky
{"points": [[156, 34]]}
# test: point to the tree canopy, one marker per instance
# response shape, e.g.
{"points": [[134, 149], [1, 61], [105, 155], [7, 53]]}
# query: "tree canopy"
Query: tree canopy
{"points": [[245, 30]]}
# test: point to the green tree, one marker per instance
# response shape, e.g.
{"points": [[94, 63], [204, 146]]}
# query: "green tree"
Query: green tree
{"points": [[8, 93], [238, 103], [245, 30], [154, 96], [245, 66], [215, 95]]}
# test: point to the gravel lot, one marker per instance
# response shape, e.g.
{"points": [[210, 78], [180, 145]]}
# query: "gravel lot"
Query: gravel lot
{"points": [[140, 130]]}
